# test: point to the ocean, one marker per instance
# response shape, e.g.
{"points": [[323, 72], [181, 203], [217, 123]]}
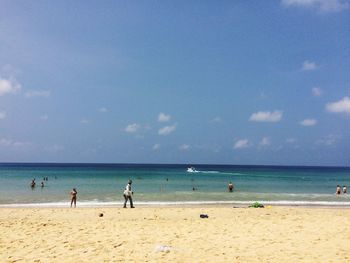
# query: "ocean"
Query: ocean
{"points": [[158, 184]]}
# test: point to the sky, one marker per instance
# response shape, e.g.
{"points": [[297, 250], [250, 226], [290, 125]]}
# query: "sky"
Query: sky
{"points": [[211, 82]]}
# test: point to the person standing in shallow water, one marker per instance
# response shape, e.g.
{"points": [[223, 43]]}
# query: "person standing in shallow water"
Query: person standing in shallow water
{"points": [[32, 184], [230, 187], [128, 194], [73, 195], [338, 191], [345, 189]]}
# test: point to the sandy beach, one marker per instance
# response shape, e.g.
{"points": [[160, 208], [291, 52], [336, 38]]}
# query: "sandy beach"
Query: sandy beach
{"points": [[175, 234]]}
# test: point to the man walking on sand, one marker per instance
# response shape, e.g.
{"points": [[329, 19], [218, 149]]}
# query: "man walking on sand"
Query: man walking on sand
{"points": [[128, 194]]}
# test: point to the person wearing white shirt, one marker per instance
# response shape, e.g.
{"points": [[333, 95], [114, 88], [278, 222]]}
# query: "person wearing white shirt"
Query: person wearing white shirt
{"points": [[128, 194]]}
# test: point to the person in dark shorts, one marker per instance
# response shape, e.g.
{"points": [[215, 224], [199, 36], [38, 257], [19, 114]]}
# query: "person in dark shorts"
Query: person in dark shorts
{"points": [[73, 195], [230, 187], [338, 191], [32, 184], [128, 194]]}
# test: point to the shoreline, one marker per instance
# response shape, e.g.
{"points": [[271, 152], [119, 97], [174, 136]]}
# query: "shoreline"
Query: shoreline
{"points": [[224, 204]]}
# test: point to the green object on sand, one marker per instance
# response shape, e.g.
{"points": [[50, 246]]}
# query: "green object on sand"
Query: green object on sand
{"points": [[257, 205]]}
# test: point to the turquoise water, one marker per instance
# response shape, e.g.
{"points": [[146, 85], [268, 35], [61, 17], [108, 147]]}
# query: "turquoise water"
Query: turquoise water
{"points": [[103, 184]]}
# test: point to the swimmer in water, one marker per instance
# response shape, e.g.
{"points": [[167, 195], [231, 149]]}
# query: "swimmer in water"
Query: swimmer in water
{"points": [[345, 189], [230, 187], [338, 191], [32, 184]]}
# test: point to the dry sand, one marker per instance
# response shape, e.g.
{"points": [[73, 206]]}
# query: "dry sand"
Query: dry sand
{"points": [[174, 234]]}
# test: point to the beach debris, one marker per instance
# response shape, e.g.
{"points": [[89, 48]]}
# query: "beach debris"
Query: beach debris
{"points": [[100, 214], [118, 245], [203, 216], [257, 205], [163, 248]]}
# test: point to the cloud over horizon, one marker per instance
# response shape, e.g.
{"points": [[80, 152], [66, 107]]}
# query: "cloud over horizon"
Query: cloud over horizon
{"points": [[13, 144], [3, 115], [9, 86], [308, 65], [341, 106], [241, 144], [184, 147], [323, 6], [308, 122], [265, 141], [156, 146], [85, 121], [291, 140], [162, 117], [44, 117], [266, 116], [103, 109], [316, 91], [132, 128], [166, 130], [328, 140], [217, 119], [37, 93]]}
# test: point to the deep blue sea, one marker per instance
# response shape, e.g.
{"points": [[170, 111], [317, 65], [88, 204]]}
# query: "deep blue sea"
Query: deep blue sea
{"points": [[103, 184]]}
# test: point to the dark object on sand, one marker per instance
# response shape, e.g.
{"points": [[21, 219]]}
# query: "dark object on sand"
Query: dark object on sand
{"points": [[257, 205], [203, 216], [100, 214]]}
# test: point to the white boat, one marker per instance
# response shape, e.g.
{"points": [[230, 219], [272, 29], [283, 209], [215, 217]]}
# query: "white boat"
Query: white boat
{"points": [[192, 170]]}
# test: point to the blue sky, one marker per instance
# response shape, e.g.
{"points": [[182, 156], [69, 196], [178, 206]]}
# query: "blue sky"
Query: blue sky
{"points": [[228, 82]]}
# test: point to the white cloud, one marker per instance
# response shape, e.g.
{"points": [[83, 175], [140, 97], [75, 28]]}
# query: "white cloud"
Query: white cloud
{"points": [[316, 91], [167, 130], [241, 144], [328, 140], [265, 141], [84, 121], [308, 65], [37, 93], [9, 86], [44, 117], [266, 116], [132, 128], [156, 146], [2, 115], [341, 106], [325, 6], [291, 140], [54, 148], [5, 142], [308, 122], [163, 117], [21, 144], [184, 147], [103, 109], [217, 119], [13, 144]]}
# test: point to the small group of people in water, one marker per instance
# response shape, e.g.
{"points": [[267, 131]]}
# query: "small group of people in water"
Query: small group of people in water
{"points": [[33, 183], [42, 184], [128, 193], [339, 190]]}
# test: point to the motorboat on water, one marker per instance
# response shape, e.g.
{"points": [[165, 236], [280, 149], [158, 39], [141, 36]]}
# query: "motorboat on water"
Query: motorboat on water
{"points": [[192, 170]]}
